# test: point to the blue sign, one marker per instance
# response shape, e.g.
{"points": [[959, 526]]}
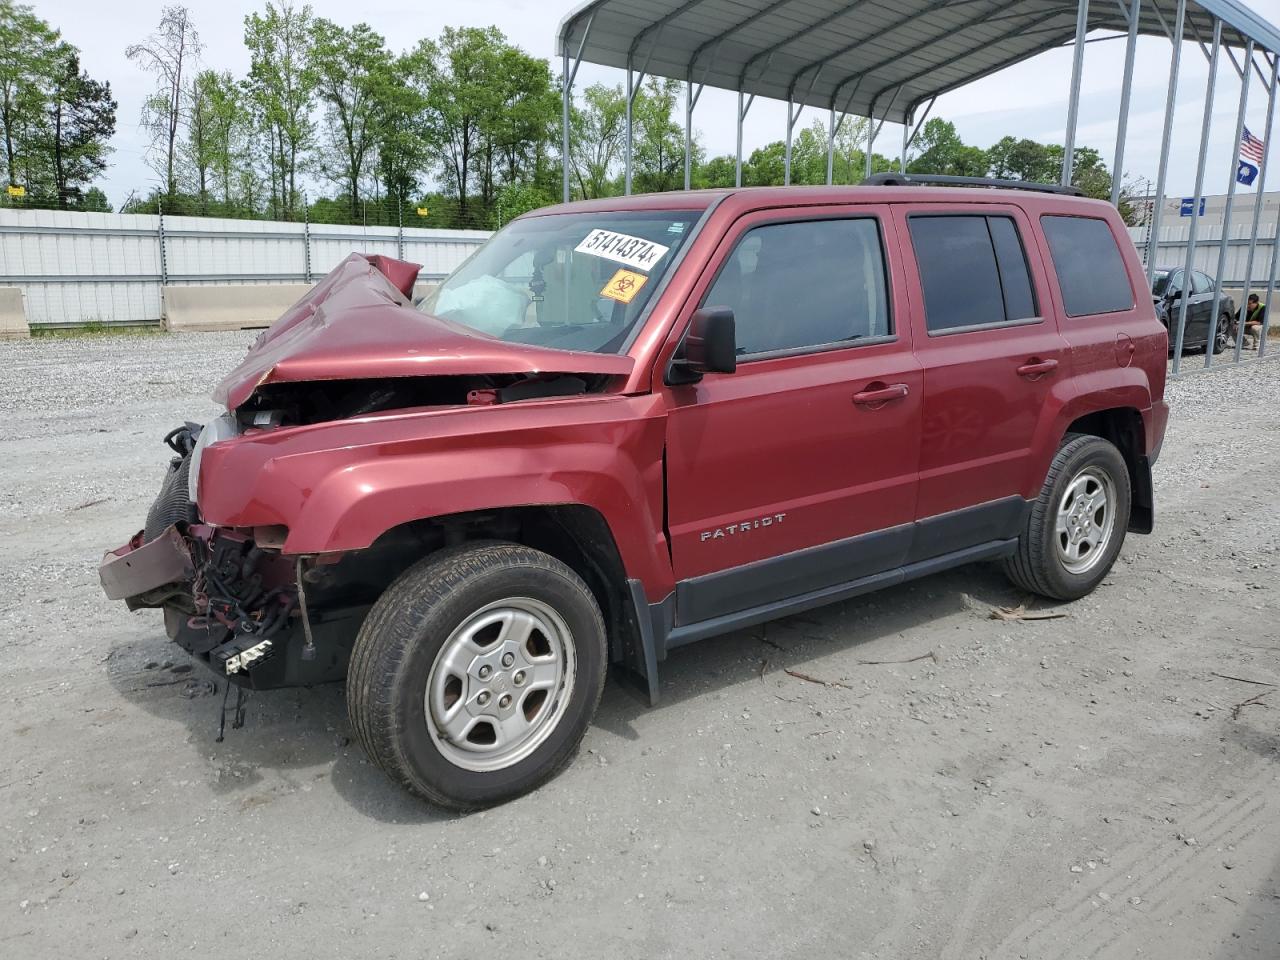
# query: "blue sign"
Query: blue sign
{"points": [[1246, 173], [1187, 204]]}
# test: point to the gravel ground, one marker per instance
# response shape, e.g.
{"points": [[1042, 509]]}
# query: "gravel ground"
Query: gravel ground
{"points": [[1076, 787]]}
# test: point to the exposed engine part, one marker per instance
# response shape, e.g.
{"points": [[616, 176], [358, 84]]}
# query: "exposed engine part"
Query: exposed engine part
{"points": [[244, 596], [244, 659], [309, 647], [237, 719], [182, 440]]}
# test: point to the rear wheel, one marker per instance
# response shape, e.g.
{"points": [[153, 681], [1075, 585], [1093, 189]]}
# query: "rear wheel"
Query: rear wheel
{"points": [[1077, 525], [476, 673]]}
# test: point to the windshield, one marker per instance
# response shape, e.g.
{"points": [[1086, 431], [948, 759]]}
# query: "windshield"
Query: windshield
{"points": [[1161, 283], [575, 281]]}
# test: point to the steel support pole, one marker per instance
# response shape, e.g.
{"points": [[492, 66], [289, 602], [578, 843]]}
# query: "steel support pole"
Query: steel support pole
{"points": [[1157, 210], [566, 95], [1271, 288], [1122, 125], [831, 145], [906, 133], [688, 130], [1226, 213], [626, 152], [737, 155], [1073, 103], [1195, 201], [564, 121], [742, 115], [1257, 207], [872, 130], [786, 152]]}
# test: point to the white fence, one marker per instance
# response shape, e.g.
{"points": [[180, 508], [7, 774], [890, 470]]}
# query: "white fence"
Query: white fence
{"points": [[1171, 251], [110, 267]]}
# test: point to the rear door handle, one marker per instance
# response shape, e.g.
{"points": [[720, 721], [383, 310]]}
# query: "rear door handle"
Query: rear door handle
{"points": [[878, 394], [1035, 369]]}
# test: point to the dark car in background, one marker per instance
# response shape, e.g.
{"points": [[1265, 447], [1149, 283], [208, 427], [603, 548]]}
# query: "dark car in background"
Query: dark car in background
{"points": [[1168, 288]]}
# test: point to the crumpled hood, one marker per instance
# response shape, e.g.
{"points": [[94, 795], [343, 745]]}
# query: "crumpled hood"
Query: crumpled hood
{"points": [[359, 323]]}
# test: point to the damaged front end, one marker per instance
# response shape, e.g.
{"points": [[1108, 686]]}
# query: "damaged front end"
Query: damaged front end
{"points": [[229, 601]]}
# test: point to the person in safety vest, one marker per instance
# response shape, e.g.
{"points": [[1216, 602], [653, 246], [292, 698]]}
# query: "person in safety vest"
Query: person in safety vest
{"points": [[1252, 316]]}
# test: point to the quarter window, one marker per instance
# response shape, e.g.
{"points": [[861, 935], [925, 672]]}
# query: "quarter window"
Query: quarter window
{"points": [[1091, 272], [973, 270], [805, 284]]}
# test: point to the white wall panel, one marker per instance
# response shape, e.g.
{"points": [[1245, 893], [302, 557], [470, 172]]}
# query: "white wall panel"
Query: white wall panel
{"points": [[55, 256]]}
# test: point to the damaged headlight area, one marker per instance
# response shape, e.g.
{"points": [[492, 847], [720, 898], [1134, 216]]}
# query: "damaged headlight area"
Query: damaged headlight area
{"points": [[243, 598]]}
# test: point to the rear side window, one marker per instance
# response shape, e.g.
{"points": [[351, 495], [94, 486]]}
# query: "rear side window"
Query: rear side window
{"points": [[1090, 269], [805, 284], [973, 270]]}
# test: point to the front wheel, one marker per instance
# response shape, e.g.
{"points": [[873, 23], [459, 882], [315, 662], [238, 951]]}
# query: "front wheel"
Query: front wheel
{"points": [[1077, 525], [1222, 334], [476, 674]]}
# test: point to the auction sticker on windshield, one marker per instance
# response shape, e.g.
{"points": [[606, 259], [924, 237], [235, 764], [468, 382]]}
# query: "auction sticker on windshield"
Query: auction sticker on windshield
{"points": [[636, 252]]}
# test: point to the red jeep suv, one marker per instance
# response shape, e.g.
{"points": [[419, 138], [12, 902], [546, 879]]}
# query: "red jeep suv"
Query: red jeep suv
{"points": [[627, 424]]}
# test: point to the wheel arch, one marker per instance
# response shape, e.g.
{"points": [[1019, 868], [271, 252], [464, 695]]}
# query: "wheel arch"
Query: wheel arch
{"points": [[578, 535], [1124, 428]]}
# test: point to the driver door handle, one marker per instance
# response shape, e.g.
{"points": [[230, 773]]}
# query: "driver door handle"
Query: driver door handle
{"points": [[878, 394], [1033, 369]]}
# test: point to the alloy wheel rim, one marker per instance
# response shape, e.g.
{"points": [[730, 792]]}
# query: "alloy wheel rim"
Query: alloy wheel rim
{"points": [[1085, 520], [500, 684]]}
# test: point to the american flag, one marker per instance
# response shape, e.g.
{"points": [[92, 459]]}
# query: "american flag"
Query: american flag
{"points": [[1251, 148]]}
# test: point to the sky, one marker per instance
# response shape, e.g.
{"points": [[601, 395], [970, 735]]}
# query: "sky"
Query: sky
{"points": [[1027, 100]]}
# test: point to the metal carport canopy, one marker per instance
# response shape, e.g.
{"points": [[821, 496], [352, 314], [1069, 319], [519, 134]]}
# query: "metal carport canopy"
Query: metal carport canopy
{"points": [[865, 57]]}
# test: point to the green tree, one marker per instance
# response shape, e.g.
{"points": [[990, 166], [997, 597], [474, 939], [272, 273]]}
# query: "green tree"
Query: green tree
{"points": [[939, 149], [401, 131], [169, 53], [1011, 158], [598, 139], [282, 89], [1042, 163], [200, 150], [30, 51], [658, 147], [517, 198], [351, 70], [228, 134], [81, 120], [461, 103], [517, 133], [718, 172]]}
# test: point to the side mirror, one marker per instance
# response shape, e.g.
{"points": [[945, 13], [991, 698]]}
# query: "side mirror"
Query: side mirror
{"points": [[710, 346]]}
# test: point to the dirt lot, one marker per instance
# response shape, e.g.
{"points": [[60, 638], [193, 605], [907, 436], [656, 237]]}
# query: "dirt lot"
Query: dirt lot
{"points": [[1065, 788]]}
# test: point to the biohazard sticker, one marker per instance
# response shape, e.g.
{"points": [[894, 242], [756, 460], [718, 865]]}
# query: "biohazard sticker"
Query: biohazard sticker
{"points": [[636, 252], [623, 286]]}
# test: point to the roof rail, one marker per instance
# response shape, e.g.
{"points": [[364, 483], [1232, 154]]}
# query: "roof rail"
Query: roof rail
{"points": [[945, 180]]}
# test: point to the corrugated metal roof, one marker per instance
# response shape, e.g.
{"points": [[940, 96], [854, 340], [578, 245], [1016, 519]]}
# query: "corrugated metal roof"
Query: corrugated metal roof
{"points": [[856, 55]]}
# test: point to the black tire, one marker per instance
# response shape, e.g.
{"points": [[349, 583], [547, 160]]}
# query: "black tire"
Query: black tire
{"points": [[407, 628], [1037, 565], [1222, 334]]}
